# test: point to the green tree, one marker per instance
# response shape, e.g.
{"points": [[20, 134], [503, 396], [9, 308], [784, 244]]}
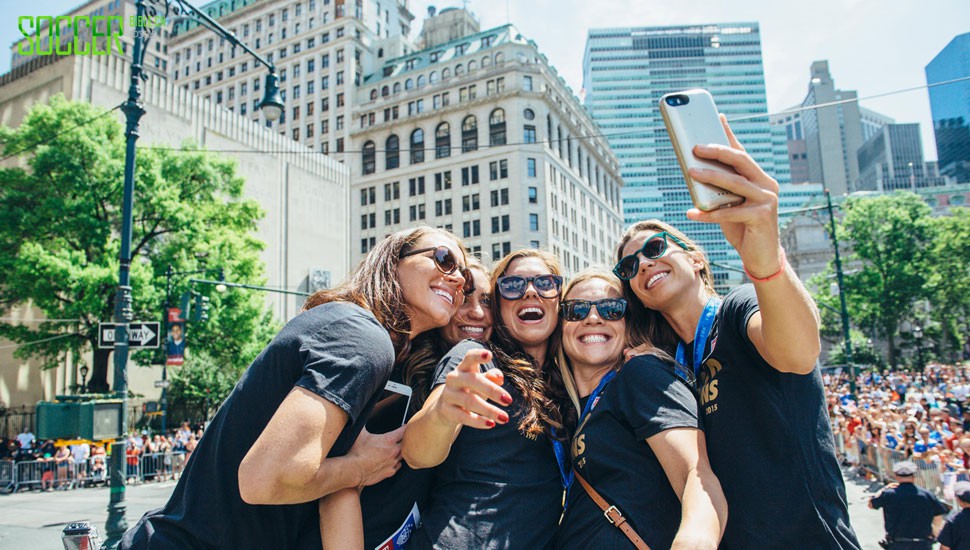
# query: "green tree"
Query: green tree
{"points": [[889, 262], [948, 283], [60, 215]]}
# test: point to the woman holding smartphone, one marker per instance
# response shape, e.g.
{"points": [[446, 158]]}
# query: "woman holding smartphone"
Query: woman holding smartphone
{"points": [[754, 352], [291, 430], [497, 484], [396, 504], [638, 444]]}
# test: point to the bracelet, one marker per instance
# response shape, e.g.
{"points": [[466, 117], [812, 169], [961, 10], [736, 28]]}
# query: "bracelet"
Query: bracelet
{"points": [[781, 269]]}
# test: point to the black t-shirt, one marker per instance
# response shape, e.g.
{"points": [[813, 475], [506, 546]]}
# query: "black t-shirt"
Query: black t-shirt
{"points": [[908, 510], [956, 531], [338, 351], [769, 442], [387, 504], [610, 451], [498, 488]]}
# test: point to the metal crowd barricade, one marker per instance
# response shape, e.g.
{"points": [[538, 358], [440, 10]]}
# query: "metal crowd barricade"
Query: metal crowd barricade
{"points": [[161, 466], [7, 479], [45, 473]]}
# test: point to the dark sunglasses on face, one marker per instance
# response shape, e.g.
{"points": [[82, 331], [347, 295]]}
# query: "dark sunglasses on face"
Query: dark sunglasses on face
{"points": [[652, 248], [513, 287], [609, 309], [445, 261]]}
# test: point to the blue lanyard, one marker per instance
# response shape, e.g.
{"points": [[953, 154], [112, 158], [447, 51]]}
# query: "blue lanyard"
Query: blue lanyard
{"points": [[703, 331], [565, 470]]}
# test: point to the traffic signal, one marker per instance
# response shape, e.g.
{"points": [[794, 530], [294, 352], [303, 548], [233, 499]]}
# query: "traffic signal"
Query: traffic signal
{"points": [[201, 312]]}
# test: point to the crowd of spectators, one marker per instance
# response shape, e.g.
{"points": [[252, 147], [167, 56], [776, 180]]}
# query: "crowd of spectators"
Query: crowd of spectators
{"points": [[149, 457], [922, 416]]}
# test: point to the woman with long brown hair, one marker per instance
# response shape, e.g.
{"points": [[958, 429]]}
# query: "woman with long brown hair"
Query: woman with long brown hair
{"points": [[496, 485], [291, 430], [754, 354]]}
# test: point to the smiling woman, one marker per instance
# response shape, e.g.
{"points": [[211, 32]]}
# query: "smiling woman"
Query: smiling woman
{"points": [[496, 485]]}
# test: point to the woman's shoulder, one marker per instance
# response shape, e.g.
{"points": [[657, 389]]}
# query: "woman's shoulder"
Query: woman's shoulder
{"points": [[653, 369]]}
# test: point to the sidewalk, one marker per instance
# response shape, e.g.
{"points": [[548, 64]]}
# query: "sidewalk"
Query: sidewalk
{"points": [[35, 519], [867, 523]]}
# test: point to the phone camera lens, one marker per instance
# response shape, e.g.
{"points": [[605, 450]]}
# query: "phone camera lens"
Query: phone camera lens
{"points": [[677, 100]]}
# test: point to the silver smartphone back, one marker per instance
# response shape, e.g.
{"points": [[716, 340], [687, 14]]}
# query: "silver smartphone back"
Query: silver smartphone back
{"points": [[691, 119]]}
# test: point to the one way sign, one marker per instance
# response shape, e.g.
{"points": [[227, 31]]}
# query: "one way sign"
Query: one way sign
{"points": [[140, 335]]}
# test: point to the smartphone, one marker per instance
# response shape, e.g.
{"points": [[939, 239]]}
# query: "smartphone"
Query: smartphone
{"points": [[691, 119], [391, 410]]}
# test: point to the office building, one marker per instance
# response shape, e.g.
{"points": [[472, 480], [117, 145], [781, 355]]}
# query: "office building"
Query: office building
{"points": [[478, 134], [627, 70], [950, 105], [893, 159], [321, 48]]}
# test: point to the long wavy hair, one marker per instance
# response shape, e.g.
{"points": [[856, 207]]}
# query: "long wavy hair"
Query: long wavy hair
{"points": [[646, 325], [541, 384], [374, 285], [426, 352]]}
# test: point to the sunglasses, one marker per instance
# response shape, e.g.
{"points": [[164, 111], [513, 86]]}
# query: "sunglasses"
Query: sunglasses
{"points": [[445, 261], [609, 309], [652, 248], [513, 287]]}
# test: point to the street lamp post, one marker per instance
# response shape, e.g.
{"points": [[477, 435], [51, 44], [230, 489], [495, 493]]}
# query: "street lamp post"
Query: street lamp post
{"points": [[918, 338], [84, 378], [133, 109]]}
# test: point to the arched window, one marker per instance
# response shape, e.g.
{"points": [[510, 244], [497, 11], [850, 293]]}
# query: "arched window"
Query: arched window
{"points": [[486, 61], [417, 146], [459, 69], [408, 84], [529, 114], [385, 91], [499, 58], [442, 141], [469, 134], [472, 66], [373, 94], [496, 127], [421, 81], [397, 87], [392, 153], [433, 77], [368, 158], [446, 73]]}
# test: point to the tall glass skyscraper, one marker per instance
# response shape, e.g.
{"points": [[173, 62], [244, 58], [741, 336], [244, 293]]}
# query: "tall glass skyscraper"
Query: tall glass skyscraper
{"points": [[627, 70], [950, 104]]}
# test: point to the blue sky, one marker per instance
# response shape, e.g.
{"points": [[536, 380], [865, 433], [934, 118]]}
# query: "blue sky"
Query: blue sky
{"points": [[873, 46]]}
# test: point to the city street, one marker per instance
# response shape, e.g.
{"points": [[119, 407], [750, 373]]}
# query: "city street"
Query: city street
{"points": [[35, 519]]}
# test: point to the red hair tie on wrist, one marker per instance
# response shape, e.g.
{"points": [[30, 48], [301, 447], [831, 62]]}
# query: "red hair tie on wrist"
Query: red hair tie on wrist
{"points": [[781, 269]]}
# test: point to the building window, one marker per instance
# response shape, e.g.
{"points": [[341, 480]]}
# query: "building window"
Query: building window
{"points": [[496, 128], [469, 175], [529, 134], [498, 170], [442, 180], [530, 167], [533, 195], [527, 83], [392, 153], [416, 186], [368, 163], [442, 141], [533, 222], [469, 134], [417, 146]]}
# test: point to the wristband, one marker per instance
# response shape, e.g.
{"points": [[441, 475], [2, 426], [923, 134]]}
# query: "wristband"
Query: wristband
{"points": [[781, 269]]}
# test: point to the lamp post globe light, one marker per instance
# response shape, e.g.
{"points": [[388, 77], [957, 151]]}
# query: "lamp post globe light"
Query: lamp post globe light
{"points": [[133, 108], [84, 378]]}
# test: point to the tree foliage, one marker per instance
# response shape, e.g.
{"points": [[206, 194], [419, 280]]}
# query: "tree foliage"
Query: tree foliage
{"points": [[897, 256], [60, 219]]}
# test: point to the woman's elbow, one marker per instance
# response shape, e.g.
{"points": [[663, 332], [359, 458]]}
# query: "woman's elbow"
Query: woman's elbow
{"points": [[253, 488]]}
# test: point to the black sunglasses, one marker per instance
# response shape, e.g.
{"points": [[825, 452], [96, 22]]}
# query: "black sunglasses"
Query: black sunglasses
{"points": [[445, 261], [652, 248], [609, 309], [513, 287]]}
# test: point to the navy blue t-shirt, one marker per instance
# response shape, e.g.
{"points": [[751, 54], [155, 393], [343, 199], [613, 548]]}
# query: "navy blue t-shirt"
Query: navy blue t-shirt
{"points": [[498, 488], [610, 451], [769, 442], [956, 531], [338, 351], [908, 510]]}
